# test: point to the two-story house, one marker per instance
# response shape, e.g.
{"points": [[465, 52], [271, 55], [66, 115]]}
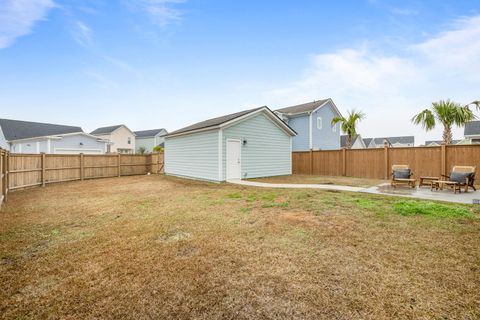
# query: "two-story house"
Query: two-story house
{"points": [[149, 139], [122, 139], [19, 136], [312, 122]]}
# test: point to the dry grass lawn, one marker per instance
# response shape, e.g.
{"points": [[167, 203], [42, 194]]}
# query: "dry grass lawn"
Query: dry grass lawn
{"points": [[314, 179], [165, 248]]}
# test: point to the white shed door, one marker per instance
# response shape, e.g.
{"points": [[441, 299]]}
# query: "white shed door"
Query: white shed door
{"points": [[234, 165]]}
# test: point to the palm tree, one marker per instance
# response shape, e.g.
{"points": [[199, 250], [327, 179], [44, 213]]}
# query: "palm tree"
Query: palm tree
{"points": [[448, 113], [349, 125]]}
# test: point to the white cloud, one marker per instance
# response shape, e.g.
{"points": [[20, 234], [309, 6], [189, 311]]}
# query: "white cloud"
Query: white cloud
{"points": [[392, 88], [162, 12], [18, 17], [82, 34]]}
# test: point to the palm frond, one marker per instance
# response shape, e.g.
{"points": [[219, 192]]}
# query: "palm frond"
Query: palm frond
{"points": [[425, 118]]}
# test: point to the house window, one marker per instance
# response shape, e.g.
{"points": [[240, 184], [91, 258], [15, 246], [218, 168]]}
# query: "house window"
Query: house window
{"points": [[129, 140], [334, 128], [319, 123]]}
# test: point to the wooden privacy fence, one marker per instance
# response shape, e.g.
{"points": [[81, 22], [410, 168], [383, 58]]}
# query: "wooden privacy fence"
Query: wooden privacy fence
{"points": [[28, 170], [377, 163]]}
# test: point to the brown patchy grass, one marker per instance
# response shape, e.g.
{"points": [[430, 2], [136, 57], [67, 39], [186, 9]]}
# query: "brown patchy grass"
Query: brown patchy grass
{"points": [[166, 248], [314, 179]]}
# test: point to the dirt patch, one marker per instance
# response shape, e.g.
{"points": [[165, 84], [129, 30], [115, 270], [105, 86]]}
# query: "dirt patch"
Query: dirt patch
{"points": [[174, 236], [167, 248]]}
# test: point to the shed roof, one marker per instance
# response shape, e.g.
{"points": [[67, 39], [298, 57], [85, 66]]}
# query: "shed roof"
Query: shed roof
{"points": [[218, 121], [17, 129]]}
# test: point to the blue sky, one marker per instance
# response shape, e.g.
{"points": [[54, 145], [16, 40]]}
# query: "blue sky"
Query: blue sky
{"points": [[169, 63]]}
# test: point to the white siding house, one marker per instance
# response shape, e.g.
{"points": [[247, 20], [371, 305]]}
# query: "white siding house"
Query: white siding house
{"points": [[34, 137], [248, 144]]}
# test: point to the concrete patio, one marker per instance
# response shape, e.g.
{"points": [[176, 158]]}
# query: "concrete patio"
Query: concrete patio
{"points": [[425, 193], [446, 195]]}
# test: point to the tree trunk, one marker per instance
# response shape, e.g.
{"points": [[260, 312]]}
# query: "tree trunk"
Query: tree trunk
{"points": [[447, 134], [349, 142]]}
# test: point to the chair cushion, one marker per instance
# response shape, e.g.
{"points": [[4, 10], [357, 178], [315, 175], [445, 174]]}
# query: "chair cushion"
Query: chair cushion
{"points": [[401, 174], [460, 177]]}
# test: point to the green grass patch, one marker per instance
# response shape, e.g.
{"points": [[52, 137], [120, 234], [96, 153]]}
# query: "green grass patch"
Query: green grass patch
{"points": [[428, 208], [282, 204], [234, 195]]}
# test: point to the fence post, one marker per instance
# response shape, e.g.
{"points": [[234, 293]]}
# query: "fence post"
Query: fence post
{"points": [[82, 167], [344, 161], [7, 176], [43, 169], [443, 158], [311, 161], [2, 177], [119, 165], [385, 153]]}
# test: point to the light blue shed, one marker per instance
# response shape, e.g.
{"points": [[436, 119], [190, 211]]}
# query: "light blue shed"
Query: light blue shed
{"points": [[248, 144]]}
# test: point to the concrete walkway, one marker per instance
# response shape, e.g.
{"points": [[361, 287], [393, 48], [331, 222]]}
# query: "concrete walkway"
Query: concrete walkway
{"points": [[382, 189], [295, 186]]}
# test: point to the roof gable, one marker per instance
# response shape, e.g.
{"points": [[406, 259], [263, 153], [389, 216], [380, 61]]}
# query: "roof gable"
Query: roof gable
{"points": [[303, 108], [17, 130], [148, 133], [228, 119], [106, 130], [395, 140], [472, 128], [343, 140]]}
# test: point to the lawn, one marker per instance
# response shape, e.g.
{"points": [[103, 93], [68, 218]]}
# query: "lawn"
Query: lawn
{"points": [[315, 179], [165, 248]]}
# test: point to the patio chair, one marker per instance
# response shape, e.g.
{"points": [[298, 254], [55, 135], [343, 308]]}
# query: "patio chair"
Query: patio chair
{"points": [[401, 174], [461, 176]]}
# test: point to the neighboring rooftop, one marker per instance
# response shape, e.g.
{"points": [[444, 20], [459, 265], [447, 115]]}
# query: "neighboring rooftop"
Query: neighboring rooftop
{"points": [[343, 140], [106, 130], [302, 108], [394, 140], [439, 142], [149, 133], [472, 128], [367, 141], [215, 121], [16, 129]]}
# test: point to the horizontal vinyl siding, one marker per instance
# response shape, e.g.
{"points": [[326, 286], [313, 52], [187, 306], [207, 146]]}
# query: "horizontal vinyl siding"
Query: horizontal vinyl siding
{"points": [[325, 138], [193, 155], [301, 142], [267, 152]]}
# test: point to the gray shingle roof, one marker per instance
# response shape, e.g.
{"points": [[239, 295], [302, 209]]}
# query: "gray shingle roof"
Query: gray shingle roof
{"points": [[301, 108], [106, 130], [367, 141], [472, 128], [440, 141], [214, 121], [343, 140], [221, 120], [16, 129], [148, 133], [393, 140]]}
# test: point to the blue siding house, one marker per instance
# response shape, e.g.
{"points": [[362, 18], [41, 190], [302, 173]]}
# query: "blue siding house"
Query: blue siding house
{"points": [[312, 122], [248, 144]]}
